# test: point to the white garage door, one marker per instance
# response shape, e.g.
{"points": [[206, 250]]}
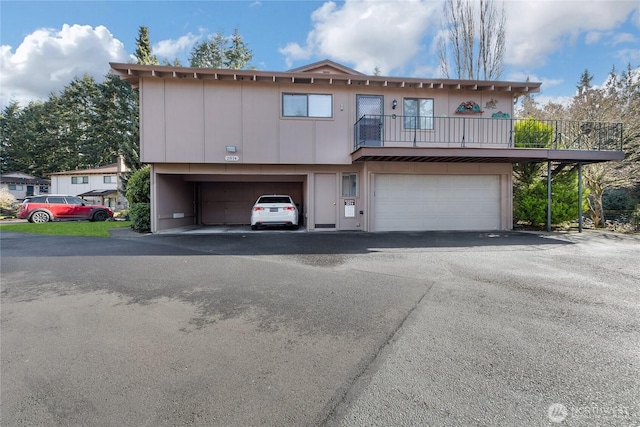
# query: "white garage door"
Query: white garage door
{"points": [[436, 202]]}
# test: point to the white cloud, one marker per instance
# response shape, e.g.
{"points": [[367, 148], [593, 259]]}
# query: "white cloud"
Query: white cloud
{"points": [[624, 38], [295, 52], [593, 37], [391, 35], [536, 29], [171, 49], [48, 59], [368, 34], [547, 82], [631, 56]]}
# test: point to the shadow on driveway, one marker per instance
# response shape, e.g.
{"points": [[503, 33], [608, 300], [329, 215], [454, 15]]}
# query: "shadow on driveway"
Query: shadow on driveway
{"points": [[124, 242]]}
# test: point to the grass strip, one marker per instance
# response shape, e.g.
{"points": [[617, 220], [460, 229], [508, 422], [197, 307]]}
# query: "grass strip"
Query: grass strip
{"points": [[66, 228]]}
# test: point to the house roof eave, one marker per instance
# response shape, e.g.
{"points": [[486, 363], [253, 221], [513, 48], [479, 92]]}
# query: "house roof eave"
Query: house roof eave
{"points": [[133, 73]]}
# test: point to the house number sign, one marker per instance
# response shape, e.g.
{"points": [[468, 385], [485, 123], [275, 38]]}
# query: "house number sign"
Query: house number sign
{"points": [[232, 158]]}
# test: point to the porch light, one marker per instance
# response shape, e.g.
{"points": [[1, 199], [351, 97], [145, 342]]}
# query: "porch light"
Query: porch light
{"points": [[394, 104], [231, 148]]}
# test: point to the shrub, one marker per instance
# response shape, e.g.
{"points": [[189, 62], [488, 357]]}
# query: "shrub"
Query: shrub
{"points": [[530, 133], [140, 215], [530, 201], [617, 199], [7, 201], [530, 204], [139, 186]]}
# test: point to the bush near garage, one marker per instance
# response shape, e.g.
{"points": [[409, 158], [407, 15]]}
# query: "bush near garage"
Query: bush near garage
{"points": [[530, 201], [139, 197], [140, 214]]}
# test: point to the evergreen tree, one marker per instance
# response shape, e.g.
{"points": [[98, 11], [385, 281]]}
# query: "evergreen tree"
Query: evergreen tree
{"points": [[238, 55], [220, 52], [585, 82], [86, 125], [143, 52]]}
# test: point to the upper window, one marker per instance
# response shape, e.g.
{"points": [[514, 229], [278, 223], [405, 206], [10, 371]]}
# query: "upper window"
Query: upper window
{"points": [[349, 185], [306, 105], [109, 179], [418, 113], [79, 179]]}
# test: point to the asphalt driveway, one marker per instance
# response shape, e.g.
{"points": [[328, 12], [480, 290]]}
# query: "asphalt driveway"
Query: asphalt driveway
{"points": [[293, 329]]}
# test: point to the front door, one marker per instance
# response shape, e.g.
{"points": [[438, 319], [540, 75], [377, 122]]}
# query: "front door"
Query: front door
{"points": [[325, 200], [370, 110]]}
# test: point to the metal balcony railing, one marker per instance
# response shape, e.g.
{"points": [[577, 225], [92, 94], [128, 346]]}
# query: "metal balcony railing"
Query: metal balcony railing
{"points": [[425, 132]]}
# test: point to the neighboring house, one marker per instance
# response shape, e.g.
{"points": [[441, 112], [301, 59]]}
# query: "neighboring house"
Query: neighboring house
{"points": [[356, 152], [22, 185], [101, 185]]}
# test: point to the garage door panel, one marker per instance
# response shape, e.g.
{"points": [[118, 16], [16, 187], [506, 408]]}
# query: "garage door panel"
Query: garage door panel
{"points": [[404, 202]]}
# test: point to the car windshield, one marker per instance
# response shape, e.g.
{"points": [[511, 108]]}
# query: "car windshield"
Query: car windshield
{"points": [[274, 199]]}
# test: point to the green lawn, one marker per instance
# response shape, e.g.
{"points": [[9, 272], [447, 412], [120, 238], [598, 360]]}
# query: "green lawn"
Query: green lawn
{"points": [[66, 228]]}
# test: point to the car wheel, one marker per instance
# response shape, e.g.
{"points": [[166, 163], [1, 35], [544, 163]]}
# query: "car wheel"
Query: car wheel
{"points": [[40, 217], [254, 227], [100, 216]]}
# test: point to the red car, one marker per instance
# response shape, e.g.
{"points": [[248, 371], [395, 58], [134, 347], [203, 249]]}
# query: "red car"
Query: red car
{"points": [[45, 208]]}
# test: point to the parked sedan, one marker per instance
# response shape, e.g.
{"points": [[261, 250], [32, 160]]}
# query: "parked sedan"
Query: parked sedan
{"points": [[274, 210], [52, 207]]}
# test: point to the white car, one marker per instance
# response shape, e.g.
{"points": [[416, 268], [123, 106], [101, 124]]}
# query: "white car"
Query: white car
{"points": [[276, 209]]}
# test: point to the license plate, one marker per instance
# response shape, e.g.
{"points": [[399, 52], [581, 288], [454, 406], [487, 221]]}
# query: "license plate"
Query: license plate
{"points": [[273, 209]]}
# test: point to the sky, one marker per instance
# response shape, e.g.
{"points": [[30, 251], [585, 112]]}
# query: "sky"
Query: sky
{"points": [[45, 44]]}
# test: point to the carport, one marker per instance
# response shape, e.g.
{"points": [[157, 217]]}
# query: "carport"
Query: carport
{"points": [[227, 200], [220, 199]]}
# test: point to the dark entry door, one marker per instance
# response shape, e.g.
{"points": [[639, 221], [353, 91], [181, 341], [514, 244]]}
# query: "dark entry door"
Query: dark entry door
{"points": [[370, 110]]}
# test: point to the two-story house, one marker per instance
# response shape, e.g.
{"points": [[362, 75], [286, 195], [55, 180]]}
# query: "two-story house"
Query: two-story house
{"points": [[22, 185], [101, 185], [356, 152]]}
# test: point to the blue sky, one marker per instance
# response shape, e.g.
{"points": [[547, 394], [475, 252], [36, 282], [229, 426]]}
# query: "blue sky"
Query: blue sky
{"points": [[44, 44]]}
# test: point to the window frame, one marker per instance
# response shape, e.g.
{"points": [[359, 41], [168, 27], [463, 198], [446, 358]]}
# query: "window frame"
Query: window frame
{"points": [[424, 122], [80, 179], [308, 105], [353, 185], [112, 179], [16, 187]]}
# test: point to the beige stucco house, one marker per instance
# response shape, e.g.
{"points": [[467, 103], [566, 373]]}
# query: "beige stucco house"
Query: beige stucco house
{"points": [[356, 152]]}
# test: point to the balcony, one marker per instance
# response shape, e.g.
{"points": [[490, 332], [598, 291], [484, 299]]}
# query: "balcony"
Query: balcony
{"points": [[410, 138]]}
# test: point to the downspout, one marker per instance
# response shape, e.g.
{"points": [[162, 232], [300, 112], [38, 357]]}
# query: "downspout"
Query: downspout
{"points": [[580, 197], [549, 195]]}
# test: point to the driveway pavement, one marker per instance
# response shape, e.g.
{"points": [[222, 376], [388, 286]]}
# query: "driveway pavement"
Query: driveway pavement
{"points": [[294, 329]]}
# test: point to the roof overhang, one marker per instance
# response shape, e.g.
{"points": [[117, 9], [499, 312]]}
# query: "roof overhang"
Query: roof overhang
{"points": [[134, 72], [481, 155]]}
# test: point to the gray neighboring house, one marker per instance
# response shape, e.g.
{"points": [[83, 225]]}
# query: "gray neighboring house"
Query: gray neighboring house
{"points": [[23, 185]]}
